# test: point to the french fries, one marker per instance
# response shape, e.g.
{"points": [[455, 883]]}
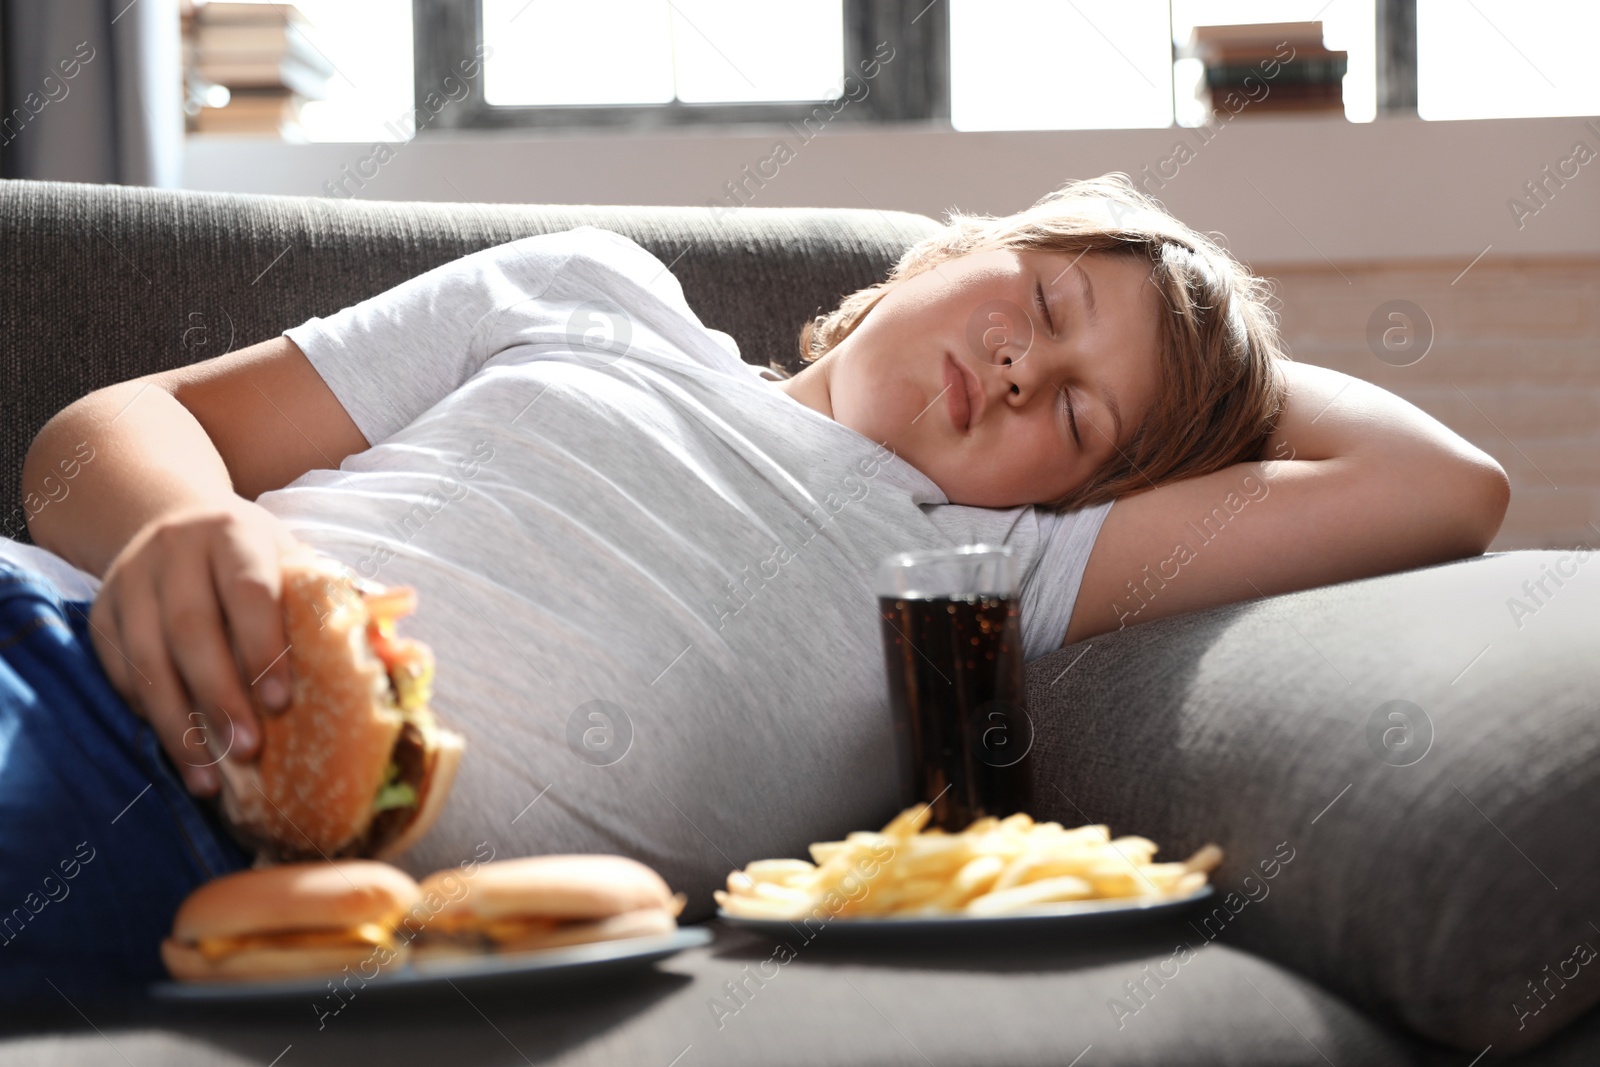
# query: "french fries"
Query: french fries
{"points": [[994, 867]]}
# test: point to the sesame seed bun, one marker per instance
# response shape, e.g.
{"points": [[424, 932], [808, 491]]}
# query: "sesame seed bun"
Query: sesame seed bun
{"points": [[539, 902], [323, 760], [553, 887], [295, 919], [296, 896], [443, 757]]}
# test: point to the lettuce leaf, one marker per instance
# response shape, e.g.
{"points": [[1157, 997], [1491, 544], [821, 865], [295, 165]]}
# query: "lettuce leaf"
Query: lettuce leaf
{"points": [[395, 795]]}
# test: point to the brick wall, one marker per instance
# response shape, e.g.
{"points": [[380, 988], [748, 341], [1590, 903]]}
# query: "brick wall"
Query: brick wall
{"points": [[1514, 367]]}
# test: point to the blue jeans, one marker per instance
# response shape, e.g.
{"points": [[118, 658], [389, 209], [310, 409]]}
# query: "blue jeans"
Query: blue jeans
{"points": [[99, 839]]}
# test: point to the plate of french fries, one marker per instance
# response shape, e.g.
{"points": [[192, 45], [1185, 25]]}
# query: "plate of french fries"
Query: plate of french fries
{"points": [[1009, 871]]}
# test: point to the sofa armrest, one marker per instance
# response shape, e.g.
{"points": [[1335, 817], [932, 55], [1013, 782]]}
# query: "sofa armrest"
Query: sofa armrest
{"points": [[1403, 771]]}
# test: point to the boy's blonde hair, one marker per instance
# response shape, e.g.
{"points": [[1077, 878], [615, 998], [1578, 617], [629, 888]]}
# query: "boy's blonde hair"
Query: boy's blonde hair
{"points": [[1221, 391]]}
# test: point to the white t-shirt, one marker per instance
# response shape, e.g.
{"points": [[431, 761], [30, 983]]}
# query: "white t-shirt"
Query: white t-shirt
{"points": [[644, 569]]}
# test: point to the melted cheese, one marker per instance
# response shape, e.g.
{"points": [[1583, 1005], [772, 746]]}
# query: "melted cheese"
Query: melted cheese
{"points": [[492, 929], [452, 924], [367, 935], [410, 668], [412, 677], [515, 929]]}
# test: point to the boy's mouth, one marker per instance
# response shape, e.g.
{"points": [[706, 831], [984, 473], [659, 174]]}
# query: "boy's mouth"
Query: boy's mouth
{"points": [[964, 398]]}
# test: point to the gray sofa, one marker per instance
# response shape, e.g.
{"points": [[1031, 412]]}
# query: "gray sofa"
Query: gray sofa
{"points": [[1389, 897]]}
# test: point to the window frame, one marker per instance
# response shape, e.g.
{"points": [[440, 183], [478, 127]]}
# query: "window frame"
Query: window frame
{"points": [[914, 86]]}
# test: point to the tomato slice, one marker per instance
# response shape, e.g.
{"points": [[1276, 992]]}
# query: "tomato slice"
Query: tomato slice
{"points": [[392, 603], [382, 645]]}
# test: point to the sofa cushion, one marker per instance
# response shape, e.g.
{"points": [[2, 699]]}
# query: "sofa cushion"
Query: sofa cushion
{"points": [[123, 281], [1576, 1046], [748, 1000], [1426, 745]]}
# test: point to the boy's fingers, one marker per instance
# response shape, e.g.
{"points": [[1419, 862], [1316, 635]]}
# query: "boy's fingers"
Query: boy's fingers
{"points": [[192, 623], [248, 585], [157, 693]]}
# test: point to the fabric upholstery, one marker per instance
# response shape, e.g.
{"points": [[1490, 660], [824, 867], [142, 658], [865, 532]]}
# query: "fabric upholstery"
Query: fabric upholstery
{"points": [[1431, 890], [1576, 1046], [1008, 1005], [108, 282]]}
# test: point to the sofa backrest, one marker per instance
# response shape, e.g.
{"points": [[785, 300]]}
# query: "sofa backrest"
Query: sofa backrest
{"points": [[109, 282]]}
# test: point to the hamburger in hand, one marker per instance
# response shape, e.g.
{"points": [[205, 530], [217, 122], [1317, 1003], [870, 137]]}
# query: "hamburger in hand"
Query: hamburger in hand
{"points": [[356, 764], [295, 920]]}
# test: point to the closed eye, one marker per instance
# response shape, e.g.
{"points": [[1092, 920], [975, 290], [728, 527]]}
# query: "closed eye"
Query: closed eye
{"points": [[1072, 418], [1044, 309]]}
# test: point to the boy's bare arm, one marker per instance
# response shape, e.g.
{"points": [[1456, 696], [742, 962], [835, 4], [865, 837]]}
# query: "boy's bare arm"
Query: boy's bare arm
{"points": [[161, 506], [1353, 482], [212, 433], [140, 453]]}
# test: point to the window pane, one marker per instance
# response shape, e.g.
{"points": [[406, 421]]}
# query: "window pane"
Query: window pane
{"points": [[645, 51], [734, 50], [1347, 26], [369, 95], [596, 52], [1059, 64], [1493, 59]]}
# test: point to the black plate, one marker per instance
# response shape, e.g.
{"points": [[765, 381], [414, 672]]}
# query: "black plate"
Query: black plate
{"points": [[523, 970], [1073, 917]]}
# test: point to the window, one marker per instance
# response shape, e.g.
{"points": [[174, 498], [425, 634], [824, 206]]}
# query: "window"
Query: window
{"points": [[1059, 64], [696, 51], [672, 62], [370, 96], [1490, 59], [365, 45], [974, 64], [1347, 26], [1076, 64]]}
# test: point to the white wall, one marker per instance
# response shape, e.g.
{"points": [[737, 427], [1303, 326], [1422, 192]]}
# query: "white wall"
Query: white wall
{"points": [[1282, 190]]}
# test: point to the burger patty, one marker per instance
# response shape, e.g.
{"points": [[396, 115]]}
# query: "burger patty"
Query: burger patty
{"points": [[412, 759]]}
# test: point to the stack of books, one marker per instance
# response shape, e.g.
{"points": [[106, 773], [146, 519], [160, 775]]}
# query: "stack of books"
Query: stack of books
{"points": [[262, 55], [1270, 68]]}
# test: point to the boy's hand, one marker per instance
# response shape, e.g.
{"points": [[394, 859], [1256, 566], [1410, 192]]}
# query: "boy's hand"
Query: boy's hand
{"points": [[188, 626]]}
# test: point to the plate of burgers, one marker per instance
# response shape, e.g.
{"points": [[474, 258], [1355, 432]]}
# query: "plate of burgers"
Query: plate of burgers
{"points": [[305, 929]]}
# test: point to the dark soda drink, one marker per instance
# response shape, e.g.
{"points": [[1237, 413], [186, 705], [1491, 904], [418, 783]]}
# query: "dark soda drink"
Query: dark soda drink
{"points": [[954, 666]]}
